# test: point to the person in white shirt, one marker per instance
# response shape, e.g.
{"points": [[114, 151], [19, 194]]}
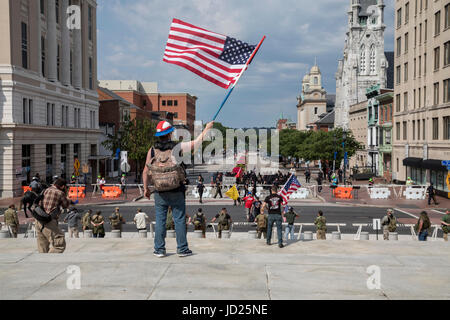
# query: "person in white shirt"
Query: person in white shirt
{"points": [[141, 220]]}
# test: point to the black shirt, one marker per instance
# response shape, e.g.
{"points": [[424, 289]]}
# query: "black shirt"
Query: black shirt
{"points": [[274, 202]]}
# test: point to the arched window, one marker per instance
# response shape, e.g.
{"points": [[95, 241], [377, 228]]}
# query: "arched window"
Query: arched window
{"points": [[362, 60], [372, 59], [316, 80]]}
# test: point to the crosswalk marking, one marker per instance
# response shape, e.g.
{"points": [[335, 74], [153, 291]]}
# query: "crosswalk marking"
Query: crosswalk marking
{"points": [[409, 214]]}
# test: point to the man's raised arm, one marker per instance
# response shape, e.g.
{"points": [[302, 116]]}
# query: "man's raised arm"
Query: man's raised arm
{"points": [[193, 145]]}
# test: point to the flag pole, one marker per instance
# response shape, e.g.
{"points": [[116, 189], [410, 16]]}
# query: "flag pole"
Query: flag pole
{"points": [[239, 76]]}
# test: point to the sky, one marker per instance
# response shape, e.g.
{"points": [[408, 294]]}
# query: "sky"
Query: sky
{"points": [[132, 35]]}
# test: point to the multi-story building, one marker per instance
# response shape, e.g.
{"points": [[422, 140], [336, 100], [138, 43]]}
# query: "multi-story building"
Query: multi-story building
{"points": [[385, 109], [313, 100], [364, 63], [422, 92], [146, 96], [48, 97], [358, 127]]}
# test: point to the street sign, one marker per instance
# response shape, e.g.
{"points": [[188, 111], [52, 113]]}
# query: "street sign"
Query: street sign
{"points": [[85, 168], [376, 224], [446, 164], [125, 167], [123, 156]]}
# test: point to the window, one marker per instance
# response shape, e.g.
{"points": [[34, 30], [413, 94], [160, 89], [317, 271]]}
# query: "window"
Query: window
{"points": [[77, 118], [92, 119], [58, 61], [419, 99], [388, 136], [372, 60], [447, 17], [405, 72], [420, 34], [398, 75], [420, 66], [27, 111], [407, 12], [76, 151], [43, 56], [435, 128], [315, 110], [446, 90], [447, 53], [426, 31], [49, 163], [415, 68], [91, 79], [397, 103], [24, 46], [169, 103], [399, 46], [64, 116], [175, 115], [362, 60], [415, 37], [414, 98], [446, 128], [57, 10], [437, 23], [414, 129], [418, 129], [42, 6], [436, 94], [399, 18], [406, 42], [405, 101], [424, 97], [405, 131], [164, 103], [436, 58], [424, 64], [50, 114], [26, 160], [90, 23], [175, 103], [424, 129]]}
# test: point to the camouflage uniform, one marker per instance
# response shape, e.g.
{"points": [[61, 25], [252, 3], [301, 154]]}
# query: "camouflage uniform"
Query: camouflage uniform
{"points": [[223, 223], [321, 224], [98, 231], [389, 224], [116, 220], [86, 221], [12, 221], [199, 222], [261, 225]]}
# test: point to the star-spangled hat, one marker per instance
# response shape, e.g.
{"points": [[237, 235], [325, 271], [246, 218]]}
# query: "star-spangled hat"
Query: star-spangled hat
{"points": [[163, 128]]}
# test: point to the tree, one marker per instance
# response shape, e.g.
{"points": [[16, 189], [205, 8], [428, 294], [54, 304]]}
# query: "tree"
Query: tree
{"points": [[136, 137]]}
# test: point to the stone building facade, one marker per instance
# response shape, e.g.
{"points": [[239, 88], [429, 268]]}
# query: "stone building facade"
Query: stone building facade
{"points": [[364, 63], [48, 97]]}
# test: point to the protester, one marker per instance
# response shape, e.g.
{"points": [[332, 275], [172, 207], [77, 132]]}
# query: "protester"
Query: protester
{"points": [[422, 226], [224, 221], [274, 203], [141, 219], [172, 192], [307, 175], [445, 222], [98, 225], [49, 234], [12, 220], [319, 180], [248, 206], [290, 217], [321, 225], [200, 189], [257, 205], [72, 219], [389, 223], [218, 187], [123, 182]]}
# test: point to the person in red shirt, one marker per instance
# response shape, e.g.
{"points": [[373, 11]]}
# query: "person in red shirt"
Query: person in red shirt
{"points": [[248, 205]]}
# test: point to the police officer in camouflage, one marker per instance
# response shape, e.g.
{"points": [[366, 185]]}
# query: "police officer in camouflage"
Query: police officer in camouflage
{"points": [[199, 222], [12, 220], [116, 220], [389, 223], [321, 224]]}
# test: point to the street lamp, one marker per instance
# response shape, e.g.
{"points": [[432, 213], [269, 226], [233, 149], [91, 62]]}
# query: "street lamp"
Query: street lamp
{"points": [[344, 137]]}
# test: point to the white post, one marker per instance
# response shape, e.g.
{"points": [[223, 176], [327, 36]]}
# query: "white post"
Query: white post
{"points": [[52, 45], [65, 46]]}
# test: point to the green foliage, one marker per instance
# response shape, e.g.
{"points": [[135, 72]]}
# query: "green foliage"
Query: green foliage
{"points": [[136, 137], [317, 145]]}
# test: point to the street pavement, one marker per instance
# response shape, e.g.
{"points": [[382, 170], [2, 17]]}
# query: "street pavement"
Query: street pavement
{"points": [[123, 269]]}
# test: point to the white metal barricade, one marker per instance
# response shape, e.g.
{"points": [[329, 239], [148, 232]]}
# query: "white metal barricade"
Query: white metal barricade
{"points": [[302, 193], [415, 193], [379, 193]]}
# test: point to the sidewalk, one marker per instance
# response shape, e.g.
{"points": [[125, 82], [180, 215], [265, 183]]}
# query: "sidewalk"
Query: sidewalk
{"points": [[225, 269]]}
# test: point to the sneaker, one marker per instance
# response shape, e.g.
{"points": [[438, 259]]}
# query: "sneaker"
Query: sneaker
{"points": [[268, 243], [187, 253], [159, 254], [281, 246]]}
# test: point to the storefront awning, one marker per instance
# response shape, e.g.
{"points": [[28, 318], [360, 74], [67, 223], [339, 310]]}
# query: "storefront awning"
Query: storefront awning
{"points": [[413, 162], [434, 165]]}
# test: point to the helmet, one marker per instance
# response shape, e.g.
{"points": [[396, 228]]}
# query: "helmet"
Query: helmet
{"points": [[34, 179], [163, 128]]}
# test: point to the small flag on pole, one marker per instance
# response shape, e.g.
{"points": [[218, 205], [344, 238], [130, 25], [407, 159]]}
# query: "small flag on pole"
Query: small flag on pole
{"points": [[212, 56], [232, 193], [290, 187]]}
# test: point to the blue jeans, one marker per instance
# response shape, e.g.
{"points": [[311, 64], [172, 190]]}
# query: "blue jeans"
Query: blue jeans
{"points": [[423, 235], [176, 200], [289, 231], [275, 218]]}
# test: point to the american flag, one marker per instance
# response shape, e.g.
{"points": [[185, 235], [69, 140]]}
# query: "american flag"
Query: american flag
{"points": [[290, 187], [212, 56]]}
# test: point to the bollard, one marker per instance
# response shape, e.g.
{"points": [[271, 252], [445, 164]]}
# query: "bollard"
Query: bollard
{"points": [[116, 234], [198, 234], [252, 235], [4, 234], [151, 230], [226, 234], [393, 236], [30, 234], [142, 233], [307, 236], [171, 234], [364, 236], [88, 234], [336, 235]]}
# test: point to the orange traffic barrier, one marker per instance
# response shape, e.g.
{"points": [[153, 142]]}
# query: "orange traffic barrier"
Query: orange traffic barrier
{"points": [[343, 193], [111, 192], [77, 192], [26, 189]]}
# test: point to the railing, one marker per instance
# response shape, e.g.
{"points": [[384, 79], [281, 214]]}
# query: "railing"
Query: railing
{"points": [[399, 225]]}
